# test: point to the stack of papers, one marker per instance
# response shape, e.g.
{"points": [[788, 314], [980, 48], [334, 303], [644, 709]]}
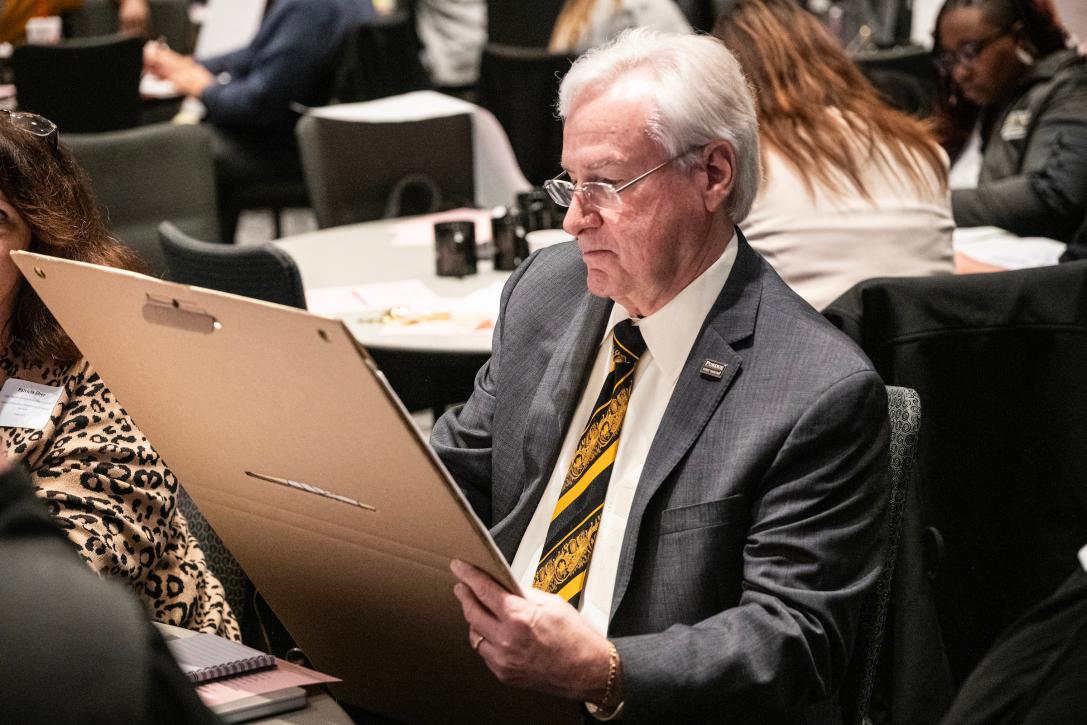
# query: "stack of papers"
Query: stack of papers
{"points": [[239, 683], [261, 693], [206, 657]]}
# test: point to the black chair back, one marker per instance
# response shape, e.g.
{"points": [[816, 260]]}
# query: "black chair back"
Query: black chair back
{"points": [[145, 175], [997, 360], [904, 76], [872, 690], [520, 86], [169, 21], [84, 86], [261, 271], [520, 23], [353, 168], [378, 59]]}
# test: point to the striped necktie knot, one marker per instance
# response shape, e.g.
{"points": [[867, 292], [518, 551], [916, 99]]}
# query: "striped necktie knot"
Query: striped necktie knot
{"points": [[629, 337]]}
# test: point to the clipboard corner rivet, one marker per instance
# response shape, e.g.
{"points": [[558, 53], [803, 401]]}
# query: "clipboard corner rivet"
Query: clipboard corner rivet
{"points": [[324, 335], [40, 272]]}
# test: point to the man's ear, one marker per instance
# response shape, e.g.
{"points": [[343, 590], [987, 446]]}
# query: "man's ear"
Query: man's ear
{"points": [[719, 160]]}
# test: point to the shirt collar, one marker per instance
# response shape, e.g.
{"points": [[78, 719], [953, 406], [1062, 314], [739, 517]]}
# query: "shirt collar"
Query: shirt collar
{"points": [[670, 332]]}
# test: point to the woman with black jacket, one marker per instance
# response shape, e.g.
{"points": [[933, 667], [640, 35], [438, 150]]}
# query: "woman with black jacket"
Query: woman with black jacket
{"points": [[1005, 63]]}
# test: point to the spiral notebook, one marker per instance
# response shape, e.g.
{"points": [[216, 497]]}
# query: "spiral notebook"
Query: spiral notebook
{"points": [[207, 657]]}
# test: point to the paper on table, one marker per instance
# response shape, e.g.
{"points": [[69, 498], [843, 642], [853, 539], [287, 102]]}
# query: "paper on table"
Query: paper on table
{"points": [[415, 106], [152, 87], [363, 298], [418, 231], [475, 313], [1000, 248], [282, 676]]}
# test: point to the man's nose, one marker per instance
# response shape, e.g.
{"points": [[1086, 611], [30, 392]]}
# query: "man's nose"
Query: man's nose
{"points": [[580, 216]]}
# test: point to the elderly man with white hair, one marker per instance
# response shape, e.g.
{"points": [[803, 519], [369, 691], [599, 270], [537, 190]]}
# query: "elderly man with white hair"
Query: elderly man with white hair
{"points": [[684, 464]]}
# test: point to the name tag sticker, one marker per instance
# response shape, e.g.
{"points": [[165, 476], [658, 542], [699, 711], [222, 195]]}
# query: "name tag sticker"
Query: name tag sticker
{"points": [[24, 404]]}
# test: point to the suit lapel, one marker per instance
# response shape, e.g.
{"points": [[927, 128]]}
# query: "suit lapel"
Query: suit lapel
{"points": [[549, 414], [696, 397]]}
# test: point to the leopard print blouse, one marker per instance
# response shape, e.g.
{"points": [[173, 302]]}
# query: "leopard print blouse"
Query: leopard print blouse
{"points": [[115, 498]]}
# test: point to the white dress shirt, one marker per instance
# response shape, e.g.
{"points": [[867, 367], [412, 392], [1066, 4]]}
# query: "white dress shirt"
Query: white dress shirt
{"points": [[669, 334]]}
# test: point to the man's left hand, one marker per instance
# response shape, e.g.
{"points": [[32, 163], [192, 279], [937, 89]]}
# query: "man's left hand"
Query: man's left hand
{"points": [[536, 641]]}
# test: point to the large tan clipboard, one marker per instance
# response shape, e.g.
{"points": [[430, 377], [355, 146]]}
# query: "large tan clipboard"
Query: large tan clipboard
{"points": [[223, 385]]}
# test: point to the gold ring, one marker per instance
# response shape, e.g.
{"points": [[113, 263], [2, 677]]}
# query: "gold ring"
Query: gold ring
{"points": [[477, 643]]}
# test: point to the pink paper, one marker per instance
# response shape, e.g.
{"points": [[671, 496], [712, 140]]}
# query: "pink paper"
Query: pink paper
{"points": [[283, 675]]}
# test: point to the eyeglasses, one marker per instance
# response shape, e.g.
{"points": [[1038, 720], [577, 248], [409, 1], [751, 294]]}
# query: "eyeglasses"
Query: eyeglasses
{"points": [[946, 60], [598, 194], [40, 126]]}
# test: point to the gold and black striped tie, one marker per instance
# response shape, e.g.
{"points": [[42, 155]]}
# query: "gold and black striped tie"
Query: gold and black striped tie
{"points": [[571, 536]]}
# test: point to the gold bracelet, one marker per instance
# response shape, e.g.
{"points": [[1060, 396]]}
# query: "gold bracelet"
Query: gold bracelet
{"points": [[608, 703]]}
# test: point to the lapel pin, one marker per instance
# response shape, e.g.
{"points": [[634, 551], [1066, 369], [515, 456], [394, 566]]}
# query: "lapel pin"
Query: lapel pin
{"points": [[713, 369]]}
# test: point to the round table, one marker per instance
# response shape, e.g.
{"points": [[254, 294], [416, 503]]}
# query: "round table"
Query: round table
{"points": [[426, 371]]}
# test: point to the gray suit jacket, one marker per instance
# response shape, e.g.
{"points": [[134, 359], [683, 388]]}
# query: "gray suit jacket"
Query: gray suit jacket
{"points": [[758, 524]]}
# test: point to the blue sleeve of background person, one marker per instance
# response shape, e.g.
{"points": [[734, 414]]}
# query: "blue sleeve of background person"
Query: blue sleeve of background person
{"points": [[293, 47]]}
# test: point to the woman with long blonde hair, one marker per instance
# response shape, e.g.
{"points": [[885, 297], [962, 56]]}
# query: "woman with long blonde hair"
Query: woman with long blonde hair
{"points": [[584, 24], [851, 188]]}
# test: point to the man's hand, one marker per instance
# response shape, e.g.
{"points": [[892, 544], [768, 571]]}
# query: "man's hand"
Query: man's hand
{"points": [[134, 18], [191, 79], [186, 74], [536, 642], [160, 61]]}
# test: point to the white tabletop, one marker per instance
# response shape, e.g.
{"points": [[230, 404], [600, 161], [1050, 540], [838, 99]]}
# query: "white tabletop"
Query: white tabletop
{"points": [[396, 251]]}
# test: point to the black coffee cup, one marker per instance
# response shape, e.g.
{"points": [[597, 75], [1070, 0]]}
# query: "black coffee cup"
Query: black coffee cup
{"points": [[508, 239], [455, 248]]}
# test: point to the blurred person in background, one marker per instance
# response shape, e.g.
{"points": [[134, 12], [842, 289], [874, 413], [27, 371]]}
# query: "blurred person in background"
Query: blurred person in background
{"points": [[851, 188], [584, 24], [452, 33], [1004, 65], [251, 96], [105, 485], [133, 16]]}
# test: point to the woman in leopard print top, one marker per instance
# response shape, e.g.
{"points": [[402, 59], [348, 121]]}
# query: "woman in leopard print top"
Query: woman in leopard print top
{"points": [[102, 480]]}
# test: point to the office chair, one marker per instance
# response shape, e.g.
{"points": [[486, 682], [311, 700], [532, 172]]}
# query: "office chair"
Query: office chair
{"points": [[145, 175], [263, 271], [86, 85], [904, 76], [896, 611], [236, 585], [521, 24], [169, 21], [379, 59], [355, 169], [274, 193], [519, 86], [998, 360]]}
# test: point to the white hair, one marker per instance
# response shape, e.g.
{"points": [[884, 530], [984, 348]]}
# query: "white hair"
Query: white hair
{"points": [[699, 93]]}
